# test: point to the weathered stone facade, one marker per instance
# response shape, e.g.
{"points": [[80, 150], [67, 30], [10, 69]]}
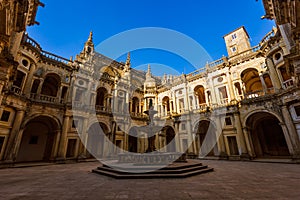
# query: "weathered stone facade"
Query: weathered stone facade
{"points": [[243, 106]]}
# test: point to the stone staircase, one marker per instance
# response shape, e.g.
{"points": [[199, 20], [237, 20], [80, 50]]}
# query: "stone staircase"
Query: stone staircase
{"points": [[174, 170]]}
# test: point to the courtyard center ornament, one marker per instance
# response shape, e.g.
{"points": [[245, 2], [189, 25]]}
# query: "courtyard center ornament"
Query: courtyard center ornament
{"points": [[114, 47]]}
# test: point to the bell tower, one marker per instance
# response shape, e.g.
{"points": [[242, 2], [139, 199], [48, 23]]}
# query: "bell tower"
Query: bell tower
{"points": [[237, 41]]}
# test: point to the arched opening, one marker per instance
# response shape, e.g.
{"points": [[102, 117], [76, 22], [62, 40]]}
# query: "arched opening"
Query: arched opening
{"points": [[166, 105], [51, 85], [38, 140], [251, 80], [96, 140], [101, 97], [133, 140], [170, 138], [267, 135], [206, 131], [200, 94], [135, 105]]}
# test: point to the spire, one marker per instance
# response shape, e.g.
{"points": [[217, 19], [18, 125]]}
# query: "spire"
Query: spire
{"points": [[127, 64], [91, 37], [149, 70], [128, 59]]}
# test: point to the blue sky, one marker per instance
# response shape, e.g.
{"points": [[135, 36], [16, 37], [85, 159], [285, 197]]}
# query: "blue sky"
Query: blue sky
{"points": [[65, 25]]}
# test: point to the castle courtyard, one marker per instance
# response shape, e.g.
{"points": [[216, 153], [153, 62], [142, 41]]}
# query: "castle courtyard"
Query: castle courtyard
{"points": [[230, 180]]}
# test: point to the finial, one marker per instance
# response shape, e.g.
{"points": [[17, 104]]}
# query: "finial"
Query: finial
{"points": [[149, 69], [91, 36], [128, 58]]}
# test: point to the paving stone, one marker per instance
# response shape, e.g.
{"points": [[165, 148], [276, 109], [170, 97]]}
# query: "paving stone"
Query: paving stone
{"points": [[230, 180]]}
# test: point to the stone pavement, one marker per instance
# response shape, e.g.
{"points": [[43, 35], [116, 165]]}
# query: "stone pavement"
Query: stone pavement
{"points": [[230, 180]]}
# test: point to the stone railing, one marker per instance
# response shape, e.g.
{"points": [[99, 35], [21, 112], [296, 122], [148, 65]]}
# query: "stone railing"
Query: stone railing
{"points": [[260, 93], [138, 115], [15, 89], [48, 55], [217, 62], [47, 98], [103, 109], [288, 83]]}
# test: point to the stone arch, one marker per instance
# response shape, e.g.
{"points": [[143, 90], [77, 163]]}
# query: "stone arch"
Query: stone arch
{"points": [[39, 138], [266, 135], [205, 130], [101, 98], [169, 134], [260, 111], [98, 133], [135, 101], [199, 91], [51, 85], [251, 80], [133, 140]]}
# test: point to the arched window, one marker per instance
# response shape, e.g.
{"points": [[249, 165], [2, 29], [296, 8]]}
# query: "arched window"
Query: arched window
{"points": [[51, 85]]}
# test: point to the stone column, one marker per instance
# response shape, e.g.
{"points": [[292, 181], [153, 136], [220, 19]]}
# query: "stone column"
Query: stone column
{"points": [[213, 92], [39, 90], [230, 86], [292, 131], [240, 137], [248, 142], [263, 82], [63, 138], [220, 140], [177, 137], [29, 81], [59, 93], [273, 74], [15, 137]]}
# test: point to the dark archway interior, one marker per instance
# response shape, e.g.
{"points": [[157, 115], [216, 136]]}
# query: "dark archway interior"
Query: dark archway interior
{"points": [[170, 141], [38, 140], [133, 140], [101, 95], [251, 79], [96, 139], [200, 93], [206, 129], [267, 136], [51, 85]]}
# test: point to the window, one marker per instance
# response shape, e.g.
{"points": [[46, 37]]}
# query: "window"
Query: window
{"points": [[297, 110], [5, 116], [233, 36], [75, 123], [2, 138], [228, 121], [233, 49], [183, 128], [33, 140], [233, 147], [71, 148]]}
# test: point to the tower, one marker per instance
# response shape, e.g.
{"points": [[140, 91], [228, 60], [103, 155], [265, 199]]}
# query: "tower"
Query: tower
{"points": [[237, 41]]}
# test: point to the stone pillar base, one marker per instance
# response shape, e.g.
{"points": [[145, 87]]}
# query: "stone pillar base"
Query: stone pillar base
{"points": [[245, 156], [223, 156], [60, 160], [296, 158]]}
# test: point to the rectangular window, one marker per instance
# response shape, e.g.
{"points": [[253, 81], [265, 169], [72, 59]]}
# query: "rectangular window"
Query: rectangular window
{"points": [[5, 116], [233, 147], [1, 143], [233, 49], [233, 36], [183, 128], [228, 121], [33, 140], [71, 148], [297, 110], [74, 123]]}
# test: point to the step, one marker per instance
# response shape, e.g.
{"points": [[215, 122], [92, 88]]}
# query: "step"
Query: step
{"points": [[125, 167], [151, 176]]}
